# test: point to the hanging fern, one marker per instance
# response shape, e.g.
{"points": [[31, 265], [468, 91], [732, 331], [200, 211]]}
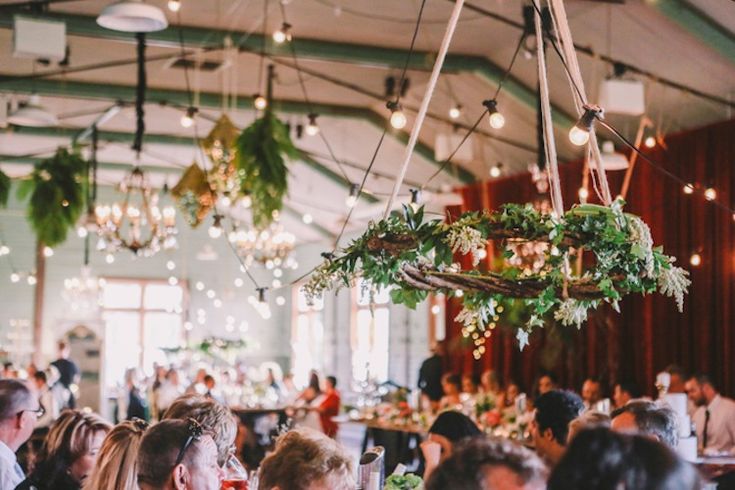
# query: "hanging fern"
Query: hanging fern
{"points": [[4, 189], [56, 195], [262, 150]]}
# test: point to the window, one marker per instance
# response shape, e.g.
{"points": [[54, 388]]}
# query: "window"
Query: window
{"points": [[369, 335], [307, 337], [141, 318]]}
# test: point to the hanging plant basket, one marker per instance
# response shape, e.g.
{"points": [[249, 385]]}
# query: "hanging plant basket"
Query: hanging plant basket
{"points": [[415, 257]]}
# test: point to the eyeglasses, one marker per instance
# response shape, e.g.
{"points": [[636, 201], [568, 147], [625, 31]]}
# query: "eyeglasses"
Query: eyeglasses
{"points": [[195, 430], [40, 412]]}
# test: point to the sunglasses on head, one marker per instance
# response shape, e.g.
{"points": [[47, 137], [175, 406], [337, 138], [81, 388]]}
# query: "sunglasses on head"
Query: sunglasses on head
{"points": [[40, 412], [195, 431]]}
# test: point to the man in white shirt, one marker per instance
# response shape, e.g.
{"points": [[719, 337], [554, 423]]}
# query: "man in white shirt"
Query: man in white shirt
{"points": [[714, 417], [19, 410]]}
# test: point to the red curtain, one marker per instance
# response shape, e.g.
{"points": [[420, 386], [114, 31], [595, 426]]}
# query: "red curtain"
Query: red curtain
{"points": [[649, 333]]}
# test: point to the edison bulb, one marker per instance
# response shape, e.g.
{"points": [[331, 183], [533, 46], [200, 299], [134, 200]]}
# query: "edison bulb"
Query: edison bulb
{"points": [[350, 201], [82, 232], [497, 120], [31, 280], [650, 142], [495, 171], [260, 102], [186, 121], [710, 194], [48, 252], [307, 219], [458, 293], [215, 232], [583, 193], [110, 259], [398, 119], [280, 301], [695, 260], [688, 189], [14, 277], [174, 5], [455, 112], [311, 129], [578, 136]]}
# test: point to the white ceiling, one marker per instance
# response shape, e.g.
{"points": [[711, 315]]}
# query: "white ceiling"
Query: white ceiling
{"points": [[634, 32]]}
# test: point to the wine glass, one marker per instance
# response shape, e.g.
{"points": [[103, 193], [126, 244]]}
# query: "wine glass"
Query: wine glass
{"points": [[236, 476]]}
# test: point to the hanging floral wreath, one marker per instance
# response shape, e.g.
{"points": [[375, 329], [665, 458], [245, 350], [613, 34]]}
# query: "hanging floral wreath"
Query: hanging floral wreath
{"points": [[415, 257]]}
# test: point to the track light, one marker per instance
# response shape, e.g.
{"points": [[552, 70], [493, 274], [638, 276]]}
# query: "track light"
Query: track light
{"points": [[397, 117], [260, 102], [351, 199], [579, 135], [187, 120], [312, 129], [497, 120], [215, 231], [283, 34], [174, 5], [455, 112], [496, 170]]}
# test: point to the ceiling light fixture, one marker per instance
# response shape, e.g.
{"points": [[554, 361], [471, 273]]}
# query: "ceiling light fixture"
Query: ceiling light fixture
{"points": [[312, 129], [283, 34], [351, 199], [497, 120], [132, 16], [187, 120], [397, 117], [33, 114]]}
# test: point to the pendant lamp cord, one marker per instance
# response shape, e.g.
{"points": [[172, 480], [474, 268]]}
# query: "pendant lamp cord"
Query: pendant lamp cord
{"points": [[140, 95]]}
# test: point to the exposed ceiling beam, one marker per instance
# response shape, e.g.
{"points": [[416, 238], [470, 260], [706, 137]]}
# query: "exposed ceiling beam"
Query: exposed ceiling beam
{"points": [[212, 101], [164, 139], [698, 24], [358, 54]]}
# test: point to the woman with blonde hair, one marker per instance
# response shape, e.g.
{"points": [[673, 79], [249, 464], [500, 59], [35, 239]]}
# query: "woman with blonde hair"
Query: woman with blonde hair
{"points": [[116, 467], [69, 452]]}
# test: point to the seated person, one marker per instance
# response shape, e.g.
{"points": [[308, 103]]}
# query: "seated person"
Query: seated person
{"points": [[648, 419], [469, 385], [587, 420], [178, 455], [489, 464], [116, 467], [714, 417], [305, 459], [214, 417], [448, 429], [591, 393], [69, 453], [625, 391], [452, 387], [550, 428], [546, 382], [600, 459]]}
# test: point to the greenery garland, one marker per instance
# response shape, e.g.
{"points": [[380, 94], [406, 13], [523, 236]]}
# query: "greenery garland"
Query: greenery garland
{"points": [[56, 196], [262, 149], [415, 257]]}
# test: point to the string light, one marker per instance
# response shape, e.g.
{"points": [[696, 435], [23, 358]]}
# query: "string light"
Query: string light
{"points": [[351, 199], [695, 260], [173, 281], [583, 193], [307, 219], [650, 142], [199, 286], [170, 265], [710, 194], [261, 295], [31, 280], [688, 188], [312, 129], [458, 293], [14, 277], [174, 5], [496, 170], [4, 250], [397, 117], [110, 259], [280, 301], [436, 309], [283, 34], [238, 282], [579, 135], [215, 231], [260, 102], [211, 294], [455, 112], [48, 252], [217, 303], [187, 120], [496, 118]]}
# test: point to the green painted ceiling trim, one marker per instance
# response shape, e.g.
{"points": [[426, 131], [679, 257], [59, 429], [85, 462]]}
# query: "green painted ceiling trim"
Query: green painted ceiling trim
{"points": [[210, 100], [351, 53], [165, 139], [331, 174], [295, 214], [26, 160], [698, 24]]}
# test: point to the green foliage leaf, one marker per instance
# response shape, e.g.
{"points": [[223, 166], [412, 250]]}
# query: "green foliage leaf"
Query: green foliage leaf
{"points": [[262, 151], [4, 189], [56, 196]]}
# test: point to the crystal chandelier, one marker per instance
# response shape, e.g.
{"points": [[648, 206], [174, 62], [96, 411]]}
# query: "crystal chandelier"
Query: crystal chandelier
{"points": [[137, 223], [270, 246], [82, 293]]}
